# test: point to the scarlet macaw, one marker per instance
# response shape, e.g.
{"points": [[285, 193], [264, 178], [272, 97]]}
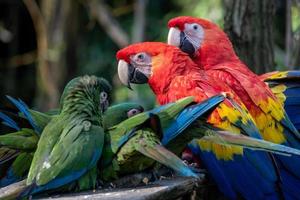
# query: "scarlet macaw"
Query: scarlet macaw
{"points": [[212, 51], [71, 143], [172, 75]]}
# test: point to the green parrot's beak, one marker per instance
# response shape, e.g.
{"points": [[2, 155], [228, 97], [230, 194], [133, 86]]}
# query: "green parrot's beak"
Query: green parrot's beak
{"points": [[129, 74]]}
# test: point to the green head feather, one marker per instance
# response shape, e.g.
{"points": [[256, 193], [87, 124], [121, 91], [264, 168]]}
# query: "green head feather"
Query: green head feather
{"points": [[120, 112], [86, 95]]}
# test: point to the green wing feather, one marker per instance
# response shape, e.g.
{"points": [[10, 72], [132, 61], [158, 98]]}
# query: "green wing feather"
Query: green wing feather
{"points": [[63, 151], [25, 139], [41, 119]]}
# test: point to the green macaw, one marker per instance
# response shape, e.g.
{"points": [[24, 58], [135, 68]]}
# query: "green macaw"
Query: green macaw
{"points": [[25, 141], [120, 112], [71, 143], [136, 143], [17, 148], [130, 145]]}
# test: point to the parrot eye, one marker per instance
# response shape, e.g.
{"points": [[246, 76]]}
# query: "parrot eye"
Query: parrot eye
{"points": [[132, 112], [194, 27], [103, 96], [141, 56]]}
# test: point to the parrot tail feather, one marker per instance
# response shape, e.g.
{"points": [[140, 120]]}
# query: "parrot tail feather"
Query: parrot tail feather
{"points": [[9, 155], [162, 155], [9, 122], [23, 108], [227, 138]]}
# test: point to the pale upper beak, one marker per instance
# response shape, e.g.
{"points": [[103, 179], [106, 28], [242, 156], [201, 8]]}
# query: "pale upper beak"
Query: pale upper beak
{"points": [[174, 37], [179, 39], [124, 73], [129, 74]]}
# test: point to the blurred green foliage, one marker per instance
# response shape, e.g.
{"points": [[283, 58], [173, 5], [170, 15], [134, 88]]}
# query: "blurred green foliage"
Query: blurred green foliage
{"points": [[95, 50]]}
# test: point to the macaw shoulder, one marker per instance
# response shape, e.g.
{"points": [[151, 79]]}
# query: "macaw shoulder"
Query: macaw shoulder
{"points": [[183, 86]]}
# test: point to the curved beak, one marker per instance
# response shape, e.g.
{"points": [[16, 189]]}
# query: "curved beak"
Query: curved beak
{"points": [[123, 73], [174, 37], [129, 74], [179, 39]]}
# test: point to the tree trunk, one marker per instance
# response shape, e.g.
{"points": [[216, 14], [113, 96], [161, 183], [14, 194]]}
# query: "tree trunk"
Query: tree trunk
{"points": [[249, 25]]}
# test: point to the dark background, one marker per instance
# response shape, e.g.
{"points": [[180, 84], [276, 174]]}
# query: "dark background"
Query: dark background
{"points": [[45, 43]]}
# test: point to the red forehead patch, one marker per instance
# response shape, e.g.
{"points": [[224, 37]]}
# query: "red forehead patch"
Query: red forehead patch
{"points": [[180, 21]]}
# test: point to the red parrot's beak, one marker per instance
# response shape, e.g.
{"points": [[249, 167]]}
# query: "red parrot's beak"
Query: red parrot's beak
{"points": [[174, 37], [179, 39], [129, 74]]}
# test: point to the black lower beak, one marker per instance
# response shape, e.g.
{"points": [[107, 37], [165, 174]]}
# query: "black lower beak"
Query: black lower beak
{"points": [[185, 45], [129, 74], [135, 76]]}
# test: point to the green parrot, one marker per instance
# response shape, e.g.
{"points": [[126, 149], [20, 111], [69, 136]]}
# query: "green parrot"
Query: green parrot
{"points": [[71, 143], [120, 112], [22, 141], [136, 143], [17, 148], [160, 135]]}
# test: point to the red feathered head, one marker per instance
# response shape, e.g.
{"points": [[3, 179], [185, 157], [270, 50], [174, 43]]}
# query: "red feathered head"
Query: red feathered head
{"points": [[138, 63], [203, 40]]}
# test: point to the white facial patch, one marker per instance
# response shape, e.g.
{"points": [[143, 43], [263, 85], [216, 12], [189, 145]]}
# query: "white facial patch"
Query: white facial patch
{"points": [[195, 34]]}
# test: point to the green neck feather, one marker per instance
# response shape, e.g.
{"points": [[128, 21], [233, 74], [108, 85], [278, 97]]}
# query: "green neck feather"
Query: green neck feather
{"points": [[82, 101]]}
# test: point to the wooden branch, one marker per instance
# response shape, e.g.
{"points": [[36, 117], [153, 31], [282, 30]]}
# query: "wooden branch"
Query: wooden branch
{"points": [[12, 191], [100, 11], [139, 21], [163, 189]]}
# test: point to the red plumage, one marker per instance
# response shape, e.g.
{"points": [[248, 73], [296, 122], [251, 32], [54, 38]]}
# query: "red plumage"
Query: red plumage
{"points": [[217, 58]]}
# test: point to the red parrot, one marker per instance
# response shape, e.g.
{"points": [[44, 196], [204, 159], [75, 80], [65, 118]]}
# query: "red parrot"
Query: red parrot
{"points": [[171, 74], [212, 51]]}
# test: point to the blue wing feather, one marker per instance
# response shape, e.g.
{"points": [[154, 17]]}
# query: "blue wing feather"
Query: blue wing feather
{"points": [[188, 116], [23, 108], [72, 176], [9, 122], [236, 177], [9, 178]]}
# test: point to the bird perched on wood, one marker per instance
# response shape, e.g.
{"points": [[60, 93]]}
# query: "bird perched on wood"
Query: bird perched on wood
{"points": [[71, 143], [212, 51], [172, 75], [121, 145], [24, 141], [136, 143]]}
